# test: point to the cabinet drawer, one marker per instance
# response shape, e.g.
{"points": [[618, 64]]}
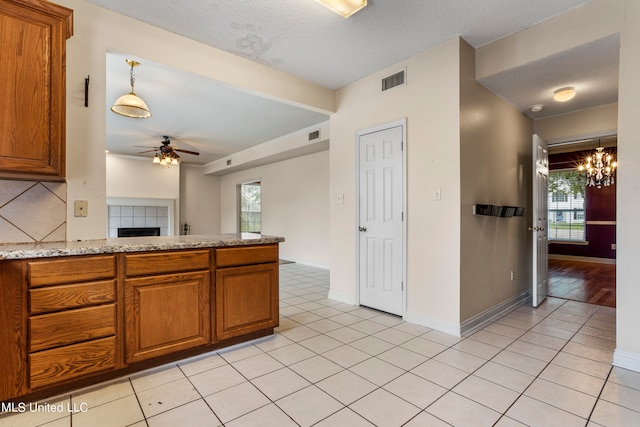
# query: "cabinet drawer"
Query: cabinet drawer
{"points": [[71, 269], [68, 327], [72, 361], [166, 262], [227, 257], [56, 298]]}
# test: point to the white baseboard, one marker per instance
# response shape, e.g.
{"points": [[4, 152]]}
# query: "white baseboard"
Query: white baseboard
{"points": [[433, 323], [344, 298], [476, 322], [488, 316], [623, 359], [583, 259]]}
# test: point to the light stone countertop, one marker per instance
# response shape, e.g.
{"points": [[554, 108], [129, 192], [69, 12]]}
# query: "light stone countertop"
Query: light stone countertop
{"points": [[132, 244]]}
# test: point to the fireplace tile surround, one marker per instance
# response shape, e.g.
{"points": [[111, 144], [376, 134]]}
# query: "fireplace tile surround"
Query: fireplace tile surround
{"points": [[138, 216]]}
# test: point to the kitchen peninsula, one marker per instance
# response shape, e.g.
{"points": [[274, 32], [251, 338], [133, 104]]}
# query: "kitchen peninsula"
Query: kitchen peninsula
{"points": [[74, 313]]}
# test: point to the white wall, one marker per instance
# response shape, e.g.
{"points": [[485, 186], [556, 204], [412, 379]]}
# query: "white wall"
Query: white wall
{"points": [[627, 352], [199, 200], [295, 205], [430, 102], [130, 176]]}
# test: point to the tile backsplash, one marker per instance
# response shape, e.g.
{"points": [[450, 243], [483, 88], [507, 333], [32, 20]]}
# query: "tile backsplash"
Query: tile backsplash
{"points": [[32, 212], [138, 216]]}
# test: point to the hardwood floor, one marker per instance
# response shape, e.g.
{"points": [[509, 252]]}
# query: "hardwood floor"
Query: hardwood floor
{"points": [[589, 282]]}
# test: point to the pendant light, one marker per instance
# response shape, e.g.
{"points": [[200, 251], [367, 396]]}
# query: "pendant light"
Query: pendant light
{"points": [[130, 105]]}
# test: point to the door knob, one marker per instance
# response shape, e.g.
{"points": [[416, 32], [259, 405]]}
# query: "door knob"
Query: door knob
{"points": [[534, 229], [362, 228]]}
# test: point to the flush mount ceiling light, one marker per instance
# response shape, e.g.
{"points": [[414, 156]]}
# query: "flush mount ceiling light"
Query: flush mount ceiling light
{"points": [[130, 105], [344, 8], [564, 94], [537, 108]]}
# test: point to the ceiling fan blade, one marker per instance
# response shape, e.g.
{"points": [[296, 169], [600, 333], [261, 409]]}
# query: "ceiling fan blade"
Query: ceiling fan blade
{"points": [[195, 153], [148, 151], [144, 146]]}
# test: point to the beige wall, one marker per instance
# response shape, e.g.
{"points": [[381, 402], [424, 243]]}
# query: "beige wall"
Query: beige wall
{"points": [[598, 121], [628, 194], [495, 159], [199, 200], [295, 205], [430, 103]]}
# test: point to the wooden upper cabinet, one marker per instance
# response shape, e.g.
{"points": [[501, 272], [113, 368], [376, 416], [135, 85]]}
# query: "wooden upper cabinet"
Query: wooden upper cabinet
{"points": [[33, 36]]}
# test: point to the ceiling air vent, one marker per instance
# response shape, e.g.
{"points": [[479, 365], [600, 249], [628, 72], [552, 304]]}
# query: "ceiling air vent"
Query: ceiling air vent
{"points": [[314, 135], [393, 80]]}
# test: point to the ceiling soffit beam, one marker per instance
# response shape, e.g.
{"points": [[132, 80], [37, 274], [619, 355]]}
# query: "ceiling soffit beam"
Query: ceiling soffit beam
{"points": [[580, 26]]}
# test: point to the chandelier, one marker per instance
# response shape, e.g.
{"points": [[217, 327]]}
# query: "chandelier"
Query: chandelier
{"points": [[600, 168]]}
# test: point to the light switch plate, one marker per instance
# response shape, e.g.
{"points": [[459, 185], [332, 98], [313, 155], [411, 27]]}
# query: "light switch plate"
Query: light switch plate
{"points": [[81, 208]]}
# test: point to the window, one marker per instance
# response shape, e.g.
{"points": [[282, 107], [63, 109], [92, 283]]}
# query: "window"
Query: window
{"points": [[250, 208], [566, 205]]}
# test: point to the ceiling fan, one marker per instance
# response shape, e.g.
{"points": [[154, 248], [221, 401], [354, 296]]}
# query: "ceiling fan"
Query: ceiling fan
{"points": [[166, 152]]}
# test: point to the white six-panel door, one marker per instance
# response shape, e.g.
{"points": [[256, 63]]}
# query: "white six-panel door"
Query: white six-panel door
{"points": [[381, 246]]}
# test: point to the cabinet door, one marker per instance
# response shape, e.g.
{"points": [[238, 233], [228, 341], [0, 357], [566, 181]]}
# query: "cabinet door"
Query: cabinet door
{"points": [[32, 90], [246, 299], [165, 314]]}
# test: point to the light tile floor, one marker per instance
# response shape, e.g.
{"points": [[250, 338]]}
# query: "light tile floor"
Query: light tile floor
{"points": [[332, 364]]}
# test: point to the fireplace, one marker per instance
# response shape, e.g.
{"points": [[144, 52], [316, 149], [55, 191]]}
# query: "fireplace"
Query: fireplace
{"points": [[138, 231]]}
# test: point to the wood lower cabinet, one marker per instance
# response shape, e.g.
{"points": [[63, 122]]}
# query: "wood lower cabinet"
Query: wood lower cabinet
{"points": [[169, 312], [65, 321], [247, 294]]}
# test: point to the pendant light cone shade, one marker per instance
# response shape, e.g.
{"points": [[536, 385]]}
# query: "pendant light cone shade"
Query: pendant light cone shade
{"points": [[344, 8], [130, 105]]}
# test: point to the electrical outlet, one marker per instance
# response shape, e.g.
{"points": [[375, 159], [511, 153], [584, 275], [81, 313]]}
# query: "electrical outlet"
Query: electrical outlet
{"points": [[340, 199]]}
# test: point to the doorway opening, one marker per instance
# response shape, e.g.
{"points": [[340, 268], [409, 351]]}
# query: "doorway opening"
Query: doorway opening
{"points": [[582, 227], [250, 207]]}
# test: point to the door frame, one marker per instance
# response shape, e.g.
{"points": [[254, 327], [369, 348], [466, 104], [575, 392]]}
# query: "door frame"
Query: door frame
{"points": [[402, 123]]}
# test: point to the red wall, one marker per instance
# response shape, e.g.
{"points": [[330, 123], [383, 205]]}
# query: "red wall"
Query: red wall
{"points": [[600, 206]]}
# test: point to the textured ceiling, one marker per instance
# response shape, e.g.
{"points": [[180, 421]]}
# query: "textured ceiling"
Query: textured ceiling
{"points": [[303, 38]]}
